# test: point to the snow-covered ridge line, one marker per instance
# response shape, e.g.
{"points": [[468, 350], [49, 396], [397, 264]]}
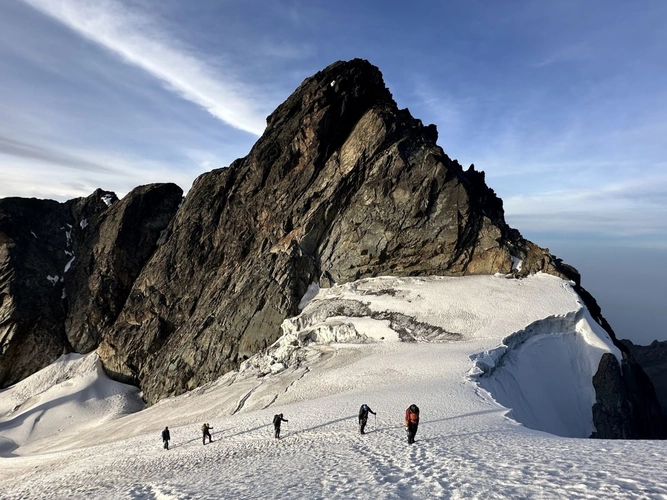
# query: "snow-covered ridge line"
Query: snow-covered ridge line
{"points": [[64, 368], [486, 363], [74, 393]]}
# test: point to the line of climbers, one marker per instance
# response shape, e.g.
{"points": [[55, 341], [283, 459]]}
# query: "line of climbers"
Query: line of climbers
{"points": [[411, 424]]}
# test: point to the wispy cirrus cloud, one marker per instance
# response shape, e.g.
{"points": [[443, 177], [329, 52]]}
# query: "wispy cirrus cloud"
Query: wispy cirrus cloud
{"points": [[61, 173], [139, 41]]}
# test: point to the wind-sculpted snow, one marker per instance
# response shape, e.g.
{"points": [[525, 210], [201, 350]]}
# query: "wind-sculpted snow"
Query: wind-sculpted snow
{"points": [[371, 298], [71, 393], [466, 446], [544, 373]]}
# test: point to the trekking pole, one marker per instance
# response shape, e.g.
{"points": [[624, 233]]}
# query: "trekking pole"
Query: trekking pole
{"points": [[376, 421]]}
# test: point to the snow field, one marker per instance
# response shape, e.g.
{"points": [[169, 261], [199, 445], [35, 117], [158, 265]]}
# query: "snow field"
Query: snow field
{"points": [[466, 445]]}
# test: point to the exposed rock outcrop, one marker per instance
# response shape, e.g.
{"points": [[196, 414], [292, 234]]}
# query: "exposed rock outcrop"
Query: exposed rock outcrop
{"points": [[653, 360], [627, 406], [67, 268], [342, 185]]}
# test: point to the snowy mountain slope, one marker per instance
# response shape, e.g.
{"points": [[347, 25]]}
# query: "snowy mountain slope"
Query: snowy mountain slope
{"points": [[466, 446], [72, 393]]}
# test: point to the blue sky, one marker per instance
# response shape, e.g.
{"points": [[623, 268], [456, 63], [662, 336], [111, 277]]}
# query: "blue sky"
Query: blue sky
{"points": [[563, 104]]}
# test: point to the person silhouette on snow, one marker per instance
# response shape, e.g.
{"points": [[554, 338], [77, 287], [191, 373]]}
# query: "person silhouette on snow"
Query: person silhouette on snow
{"points": [[277, 420], [206, 432], [166, 437], [411, 422], [363, 417]]}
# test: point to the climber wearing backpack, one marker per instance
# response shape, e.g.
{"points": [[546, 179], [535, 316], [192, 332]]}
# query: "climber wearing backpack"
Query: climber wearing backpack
{"points": [[363, 416], [206, 431], [277, 419], [411, 422]]}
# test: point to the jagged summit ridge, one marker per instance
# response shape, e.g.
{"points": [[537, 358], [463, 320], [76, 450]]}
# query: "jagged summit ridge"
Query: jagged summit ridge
{"points": [[342, 185]]}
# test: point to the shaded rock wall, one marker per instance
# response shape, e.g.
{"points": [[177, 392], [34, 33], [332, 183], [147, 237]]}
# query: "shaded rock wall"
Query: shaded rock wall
{"points": [[66, 269], [653, 360], [627, 406]]}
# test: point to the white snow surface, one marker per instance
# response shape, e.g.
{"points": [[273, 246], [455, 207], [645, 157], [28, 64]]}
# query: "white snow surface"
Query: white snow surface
{"points": [[500, 368]]}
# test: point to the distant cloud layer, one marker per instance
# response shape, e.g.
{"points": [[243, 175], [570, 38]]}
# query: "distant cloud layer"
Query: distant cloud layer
{"points": [[138, 41], [625, 209], [11, 147]]}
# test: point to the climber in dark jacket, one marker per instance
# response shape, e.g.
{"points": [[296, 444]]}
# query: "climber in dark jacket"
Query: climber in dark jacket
{"points": [[166, 437], [363, 416], [277, 419], [412, 422], [206, 433]]}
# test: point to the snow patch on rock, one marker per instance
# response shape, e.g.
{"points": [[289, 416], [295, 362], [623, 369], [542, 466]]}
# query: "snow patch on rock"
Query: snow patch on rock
{"points": [[69, 264]]}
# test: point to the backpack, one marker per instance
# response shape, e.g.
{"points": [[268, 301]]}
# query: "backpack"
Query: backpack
{"points": [[413, 414]]}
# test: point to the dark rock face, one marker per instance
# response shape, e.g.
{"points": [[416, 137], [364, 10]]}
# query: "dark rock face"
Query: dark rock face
{"points": [[653, 359], [612, 413], [32, 259], [342, 185], [626, 404], [67, 268], [113, 254]]}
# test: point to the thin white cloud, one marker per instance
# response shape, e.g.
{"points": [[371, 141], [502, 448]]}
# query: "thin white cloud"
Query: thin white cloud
{"points": [[448, 111], [636, 207], [63, 173], [140, 42]]}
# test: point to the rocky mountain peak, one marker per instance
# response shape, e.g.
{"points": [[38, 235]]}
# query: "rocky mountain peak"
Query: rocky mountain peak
{"points": [[342, 185]]}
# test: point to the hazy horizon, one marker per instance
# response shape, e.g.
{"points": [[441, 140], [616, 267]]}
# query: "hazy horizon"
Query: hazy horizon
{"points": [[629, 284]]}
